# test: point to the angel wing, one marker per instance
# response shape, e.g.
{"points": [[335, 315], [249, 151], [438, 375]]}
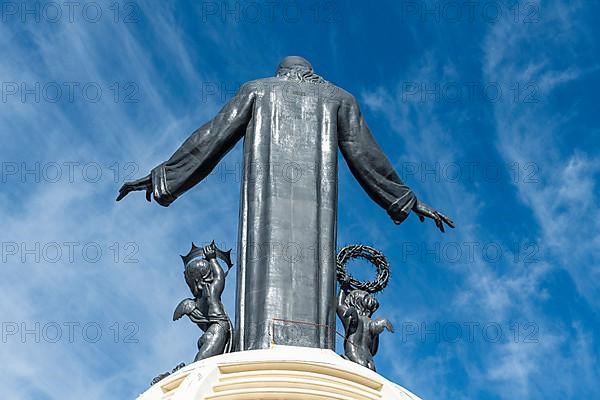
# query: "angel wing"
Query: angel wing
{"points": [[185, 307]]}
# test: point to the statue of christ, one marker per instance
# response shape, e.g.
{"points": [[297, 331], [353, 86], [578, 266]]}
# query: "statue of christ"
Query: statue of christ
{"points": [[295, 119]]}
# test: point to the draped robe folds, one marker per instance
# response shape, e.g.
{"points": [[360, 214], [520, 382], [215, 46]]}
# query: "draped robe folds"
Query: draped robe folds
{"points": [[287, 230]]}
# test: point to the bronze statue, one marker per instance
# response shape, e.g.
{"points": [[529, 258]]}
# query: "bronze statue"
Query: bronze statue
{"points": [[355, 308], [293, 122], [206, 280], [356, 305]]}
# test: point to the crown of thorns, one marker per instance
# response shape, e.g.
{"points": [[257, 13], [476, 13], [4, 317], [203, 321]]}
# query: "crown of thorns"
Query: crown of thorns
{"points": [[370, 254]]}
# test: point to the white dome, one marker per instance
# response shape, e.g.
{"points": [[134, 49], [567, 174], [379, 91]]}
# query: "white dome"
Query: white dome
{"points": [[279, 373]]}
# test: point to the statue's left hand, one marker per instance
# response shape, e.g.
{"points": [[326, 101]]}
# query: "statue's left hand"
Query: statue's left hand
{"points": [[424, 211], [144, 183]]}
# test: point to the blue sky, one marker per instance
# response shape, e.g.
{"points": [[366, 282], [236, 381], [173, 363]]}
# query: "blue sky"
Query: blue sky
{"points": [[488, 110]]}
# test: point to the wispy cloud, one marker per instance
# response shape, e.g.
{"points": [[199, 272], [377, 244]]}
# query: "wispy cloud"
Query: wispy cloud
{"points": [[169, 56], [565, 194], [129, 290]]}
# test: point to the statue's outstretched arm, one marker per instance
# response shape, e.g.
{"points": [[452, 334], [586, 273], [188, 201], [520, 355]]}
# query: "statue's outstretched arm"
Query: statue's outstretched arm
{"points": [[369, 165], [377, 326], [199, 154], [375, 172]]}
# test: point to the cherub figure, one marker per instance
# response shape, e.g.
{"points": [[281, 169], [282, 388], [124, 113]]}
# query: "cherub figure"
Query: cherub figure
{"points": [[355, 308], [206, 280]]}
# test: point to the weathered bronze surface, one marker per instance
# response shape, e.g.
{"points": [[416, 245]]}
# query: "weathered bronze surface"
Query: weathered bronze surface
{"points": [[292, 125]]}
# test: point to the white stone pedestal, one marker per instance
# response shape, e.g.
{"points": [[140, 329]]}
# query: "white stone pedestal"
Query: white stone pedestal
{"points": [[279, 373]]}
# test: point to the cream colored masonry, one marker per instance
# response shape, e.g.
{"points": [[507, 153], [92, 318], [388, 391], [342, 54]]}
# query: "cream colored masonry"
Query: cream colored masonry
{"points": [[278, 373]]}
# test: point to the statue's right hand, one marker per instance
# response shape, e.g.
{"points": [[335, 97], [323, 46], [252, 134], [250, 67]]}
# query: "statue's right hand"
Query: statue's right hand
{"points": [[144, 183]]}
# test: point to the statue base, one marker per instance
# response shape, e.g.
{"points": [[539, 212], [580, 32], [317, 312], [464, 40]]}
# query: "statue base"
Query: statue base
{"points": [[278, 373]]}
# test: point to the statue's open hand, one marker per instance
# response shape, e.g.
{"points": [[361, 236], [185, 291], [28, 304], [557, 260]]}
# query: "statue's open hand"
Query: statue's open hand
{"points": [[389, 326], [423, 210], [144, 183], [377, 326], [210, 251]]}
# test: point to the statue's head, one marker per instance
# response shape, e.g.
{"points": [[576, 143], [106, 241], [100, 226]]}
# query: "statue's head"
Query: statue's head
{"points": [[299, 69], [197, 268], [196, 271], [363, 301], [293, 62]]}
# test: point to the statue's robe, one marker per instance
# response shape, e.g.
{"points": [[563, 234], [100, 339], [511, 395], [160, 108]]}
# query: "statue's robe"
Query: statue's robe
{"points": [[287, 232]]}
